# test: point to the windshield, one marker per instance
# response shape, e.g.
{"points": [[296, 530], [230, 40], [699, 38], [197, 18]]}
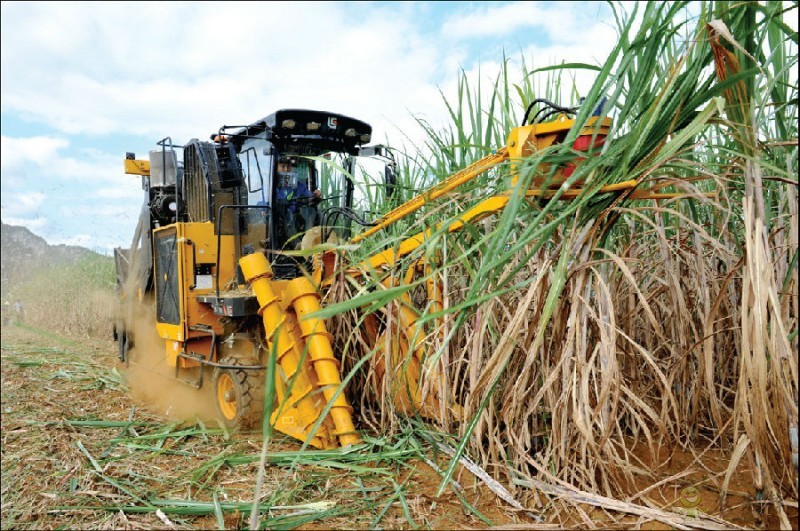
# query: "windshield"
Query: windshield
{"points": [[304, 192], [256, 163]]}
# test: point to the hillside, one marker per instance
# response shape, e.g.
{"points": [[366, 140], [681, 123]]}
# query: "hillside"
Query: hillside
{"points": [[23, 253]]}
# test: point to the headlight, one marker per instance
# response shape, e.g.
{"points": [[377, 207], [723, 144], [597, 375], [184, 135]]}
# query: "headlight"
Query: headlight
{"points": [[288, 123], [350, 132]]}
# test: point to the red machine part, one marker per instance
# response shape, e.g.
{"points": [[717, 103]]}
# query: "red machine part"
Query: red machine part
{"points": [[584, 143]]}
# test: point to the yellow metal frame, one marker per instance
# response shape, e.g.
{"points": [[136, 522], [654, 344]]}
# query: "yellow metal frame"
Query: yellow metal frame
{"points": [[522, 142], [304, 354], [137, 167], [197, 245]]}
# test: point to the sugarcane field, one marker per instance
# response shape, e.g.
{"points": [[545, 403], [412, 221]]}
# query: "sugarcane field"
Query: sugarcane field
{"points": [[438, 265]]}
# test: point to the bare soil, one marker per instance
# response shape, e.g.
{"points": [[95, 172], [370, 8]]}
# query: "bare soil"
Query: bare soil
{"points": [[61, 471]]}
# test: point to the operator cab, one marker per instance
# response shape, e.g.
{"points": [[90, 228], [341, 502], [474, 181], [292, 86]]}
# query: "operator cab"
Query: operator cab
{"points": [[297, 168]]}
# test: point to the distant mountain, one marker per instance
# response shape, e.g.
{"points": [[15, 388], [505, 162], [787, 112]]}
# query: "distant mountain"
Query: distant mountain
{"points": [[21, 251]]}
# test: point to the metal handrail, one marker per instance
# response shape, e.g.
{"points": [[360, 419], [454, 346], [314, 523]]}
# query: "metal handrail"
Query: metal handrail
{"points": [[219, 232]]}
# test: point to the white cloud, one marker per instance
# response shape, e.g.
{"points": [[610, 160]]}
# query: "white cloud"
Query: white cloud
{"points": [[83, 74], [574, 24], [100, 211], [500, 19], [177, 69], [34, 224], [185, 69], [30, 200], [17, 152], [49, 159], [55, 190], [122, 191]]}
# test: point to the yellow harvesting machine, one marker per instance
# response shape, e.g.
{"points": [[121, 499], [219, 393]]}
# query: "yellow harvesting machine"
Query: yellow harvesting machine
{"points": [[227, 254]]}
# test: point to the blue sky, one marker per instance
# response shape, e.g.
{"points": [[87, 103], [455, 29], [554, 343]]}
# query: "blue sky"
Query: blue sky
{"points": [[84, 82]]}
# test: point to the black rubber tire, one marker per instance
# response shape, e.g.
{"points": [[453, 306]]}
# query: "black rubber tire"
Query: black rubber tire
{"points": [[248, 387], [124, 342]]}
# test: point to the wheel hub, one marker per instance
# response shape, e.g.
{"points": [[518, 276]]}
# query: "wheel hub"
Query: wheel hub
{"points": [[226, 396]]}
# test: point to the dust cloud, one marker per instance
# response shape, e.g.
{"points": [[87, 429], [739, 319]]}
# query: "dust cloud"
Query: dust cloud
{"points": [[152, 381]]}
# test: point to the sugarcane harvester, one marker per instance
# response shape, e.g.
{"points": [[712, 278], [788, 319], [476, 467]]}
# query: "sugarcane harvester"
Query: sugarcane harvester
{"points": [[215, 255]]}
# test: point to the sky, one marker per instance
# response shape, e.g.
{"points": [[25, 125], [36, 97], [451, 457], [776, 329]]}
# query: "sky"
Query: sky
{"points": [[85, 82]]}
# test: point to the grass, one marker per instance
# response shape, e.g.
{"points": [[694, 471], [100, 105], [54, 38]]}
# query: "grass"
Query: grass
{"points": [[75, 299], [96, 459], [117, 465]]}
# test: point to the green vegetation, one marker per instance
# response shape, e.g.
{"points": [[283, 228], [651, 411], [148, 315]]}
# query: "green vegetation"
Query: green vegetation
{"points": [[574, 331], [75, 298]]}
